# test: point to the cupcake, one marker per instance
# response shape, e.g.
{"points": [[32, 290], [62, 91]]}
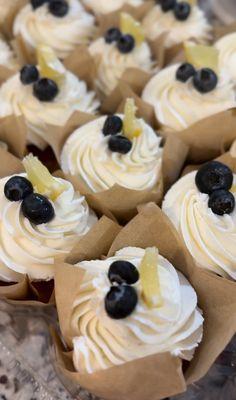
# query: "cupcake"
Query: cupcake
{"points": [[106, 7], [61, 25], [130, 306], [202, 207], [115, 150], [227, 54], [183, 94], [45, 95], [42, 217], [119, 50], [176, 21]]}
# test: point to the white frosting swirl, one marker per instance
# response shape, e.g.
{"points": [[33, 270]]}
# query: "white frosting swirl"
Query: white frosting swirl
{"points": [[86, 154], [178, 105], [210, 238], [195, 26], [18, 99], [7, 57], [102, 342], [111, 63], [227, 54], [63, 34], [31, 249], [105, 6]]}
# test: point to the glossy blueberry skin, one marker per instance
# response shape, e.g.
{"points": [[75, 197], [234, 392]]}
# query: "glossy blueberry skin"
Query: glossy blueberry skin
{"points": [[182, 11], [185, 72], [123, 272], [121, 301], [112, 35], [45, 89], [58, 8], [167, 5], [214, 176], [205, 80], [119, 144], [29, 74], [38, 209], [221, 202], [126, 44], [17, 188], [112, 125], [38, 3]]}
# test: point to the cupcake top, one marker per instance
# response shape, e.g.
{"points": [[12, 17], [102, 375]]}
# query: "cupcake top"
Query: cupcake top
{"points": [[48, 94], [103, 156], [41, 217], [119, 50], [182, 96], [202, 207], [61, 25], [105, 7], [179, 20], [227, 54], [7, 57], [130, 306]]}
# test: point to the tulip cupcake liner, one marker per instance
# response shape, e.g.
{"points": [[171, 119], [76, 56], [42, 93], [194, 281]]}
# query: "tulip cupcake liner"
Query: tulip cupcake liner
{"points": [[162, 375]]}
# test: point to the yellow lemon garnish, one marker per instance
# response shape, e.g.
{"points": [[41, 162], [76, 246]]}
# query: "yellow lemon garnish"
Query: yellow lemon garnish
{"points": [[192, 2], [202, 56], [50, 66], [131, 125], [149, 276], [129, 25], [41, 179]]}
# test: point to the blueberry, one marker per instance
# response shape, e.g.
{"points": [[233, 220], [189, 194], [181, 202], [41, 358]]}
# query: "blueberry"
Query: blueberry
{"points": [[38, 3], [205, 80], [121, 301], [37, 209], [123, 272], [29, 74], [222, 202], [214, 176], [185, 72], [182, 10], [45, 89], [126, 44], [112, 126], [59, 8], [167, 5], [17, 188], [112, 35], [119, 144]]}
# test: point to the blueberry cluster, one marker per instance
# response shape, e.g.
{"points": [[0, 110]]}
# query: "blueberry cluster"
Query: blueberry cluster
{"points": [[180, 9], [205, 80], [44, 89], [122, 298], [125, 43], [216, 179], [117, 143], [37, 208], [58, 8]]}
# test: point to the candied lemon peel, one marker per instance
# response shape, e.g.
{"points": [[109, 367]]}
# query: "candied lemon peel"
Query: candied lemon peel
{"points": [[128, 25], [131, 125], [201, 56], [49, 65], [41, 179], [150, 280]]}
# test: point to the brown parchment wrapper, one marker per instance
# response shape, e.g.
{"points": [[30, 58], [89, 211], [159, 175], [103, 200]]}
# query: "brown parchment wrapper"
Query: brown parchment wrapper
{"points": [[222, 30], [14, 6], [13, 132], [119, 202], [160, 375]]}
